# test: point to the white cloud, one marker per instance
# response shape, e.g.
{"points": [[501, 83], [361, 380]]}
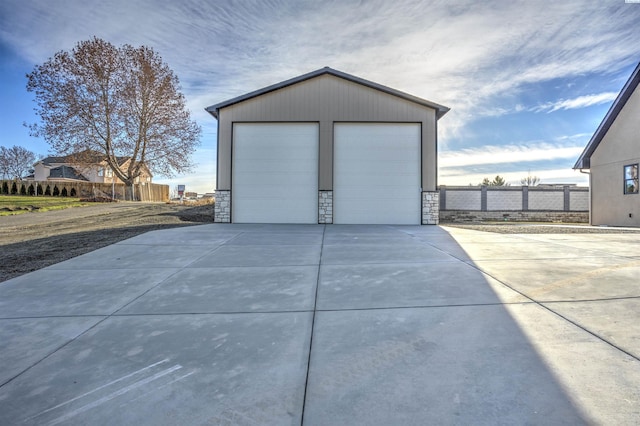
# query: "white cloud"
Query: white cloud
{"points": [[548, 176], [520, 160], [501, 154], [575, 103]]}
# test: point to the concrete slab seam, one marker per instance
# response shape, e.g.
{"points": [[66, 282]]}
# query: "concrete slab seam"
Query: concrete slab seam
{"points": [[594, 334], [543, 306], [85, 331], [73, 339], [313, 321]]}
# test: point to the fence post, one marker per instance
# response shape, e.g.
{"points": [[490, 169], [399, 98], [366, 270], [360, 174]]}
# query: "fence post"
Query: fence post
{"points": [[443, 198], [567, 198], [483, 198], [525, 198]]}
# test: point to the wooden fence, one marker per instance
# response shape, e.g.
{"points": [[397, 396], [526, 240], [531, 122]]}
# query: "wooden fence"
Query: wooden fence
{"points": [[118, 191]]}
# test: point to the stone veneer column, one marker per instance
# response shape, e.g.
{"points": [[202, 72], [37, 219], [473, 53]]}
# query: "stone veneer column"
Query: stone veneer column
{"points": [[430, 208], [222, 209], [325, 207]]}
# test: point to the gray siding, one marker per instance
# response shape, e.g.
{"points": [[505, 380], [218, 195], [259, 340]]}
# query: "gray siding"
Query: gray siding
{"points": [[327, 99], [619, 147]]}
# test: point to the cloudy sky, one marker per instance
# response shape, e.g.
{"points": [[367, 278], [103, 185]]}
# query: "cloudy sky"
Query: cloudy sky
{"points": [[527, 81]]}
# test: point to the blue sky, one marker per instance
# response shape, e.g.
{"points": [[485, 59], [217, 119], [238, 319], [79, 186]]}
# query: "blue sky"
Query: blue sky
{"points": [[527, 81]]}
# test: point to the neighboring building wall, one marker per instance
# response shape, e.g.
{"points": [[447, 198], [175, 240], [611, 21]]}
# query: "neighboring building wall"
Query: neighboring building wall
{"points": [[556, 204], [619, 147], [40, 172], [334, 100]]}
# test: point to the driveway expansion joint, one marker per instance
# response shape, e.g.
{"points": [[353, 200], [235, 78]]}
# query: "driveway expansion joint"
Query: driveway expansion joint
{"points": [[313, 321]]}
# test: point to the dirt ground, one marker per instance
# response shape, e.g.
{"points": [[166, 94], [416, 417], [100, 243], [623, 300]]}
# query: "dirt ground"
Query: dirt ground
{"points": [[33, 241]]}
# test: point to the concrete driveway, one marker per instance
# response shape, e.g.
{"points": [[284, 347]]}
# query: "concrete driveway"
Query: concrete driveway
{"points": [[327, 325]]}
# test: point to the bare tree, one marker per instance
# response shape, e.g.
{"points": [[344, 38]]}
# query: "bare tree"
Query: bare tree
{"points": [[530, 180], [15, 162], [99, 100], [4, 162]]}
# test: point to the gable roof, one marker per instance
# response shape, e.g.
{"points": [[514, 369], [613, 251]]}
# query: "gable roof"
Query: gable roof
{"points": [[584, 162], [66, 172], [93, 157], [52, 160], [440, 109]]}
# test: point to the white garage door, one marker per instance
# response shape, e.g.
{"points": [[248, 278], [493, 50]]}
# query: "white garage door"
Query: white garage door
{"points": [[377, 173], [275, 173]]}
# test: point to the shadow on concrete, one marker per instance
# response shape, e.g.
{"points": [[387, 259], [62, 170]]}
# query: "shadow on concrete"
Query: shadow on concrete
{"points": [[408, 331], [268, 324]]}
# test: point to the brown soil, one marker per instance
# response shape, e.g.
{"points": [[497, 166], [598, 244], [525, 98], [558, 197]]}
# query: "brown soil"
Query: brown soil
{"points": [[35, 240]]}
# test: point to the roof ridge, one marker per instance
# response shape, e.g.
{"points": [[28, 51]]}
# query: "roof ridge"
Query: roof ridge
{"points": [[440, 109]]}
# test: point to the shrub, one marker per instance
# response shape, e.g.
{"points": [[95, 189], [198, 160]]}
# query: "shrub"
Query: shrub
{"points": [[56, 191], [14, 188], [23, 189], [64, 192], [31, 190], [5, 187], [73, 192], [40, 190], [47, 191]]}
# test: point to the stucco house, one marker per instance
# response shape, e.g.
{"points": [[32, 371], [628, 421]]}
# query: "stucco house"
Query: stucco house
{"points": [[327, 147], [69, 168], [612, 158]]}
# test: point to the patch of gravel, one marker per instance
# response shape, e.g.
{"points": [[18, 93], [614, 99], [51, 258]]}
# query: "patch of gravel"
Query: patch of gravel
{"points": [[539, 228]]}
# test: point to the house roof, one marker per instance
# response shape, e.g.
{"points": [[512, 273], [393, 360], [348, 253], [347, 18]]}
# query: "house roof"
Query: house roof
{"points": [[52, 160], [66, 172], [584, 161], [440, 109], [95, 157]]}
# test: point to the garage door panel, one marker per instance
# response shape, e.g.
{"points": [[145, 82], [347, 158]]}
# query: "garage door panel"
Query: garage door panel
{"points": [[275, 173], [377, 173]]}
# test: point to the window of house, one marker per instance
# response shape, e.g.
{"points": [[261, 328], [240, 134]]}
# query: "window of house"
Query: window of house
{"points": [[631, 179], [105, 171]]}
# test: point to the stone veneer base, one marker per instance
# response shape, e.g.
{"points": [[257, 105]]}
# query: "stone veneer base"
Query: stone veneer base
{"points": [[222, 209], [430, 208], [325, 207]]}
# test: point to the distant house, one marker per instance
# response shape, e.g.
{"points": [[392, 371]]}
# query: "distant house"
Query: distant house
{"points": [[612, 158], [70, 168]]}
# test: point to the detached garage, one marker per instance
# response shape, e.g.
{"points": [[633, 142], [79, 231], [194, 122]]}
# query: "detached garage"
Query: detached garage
{"points": [[327, 147]]}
